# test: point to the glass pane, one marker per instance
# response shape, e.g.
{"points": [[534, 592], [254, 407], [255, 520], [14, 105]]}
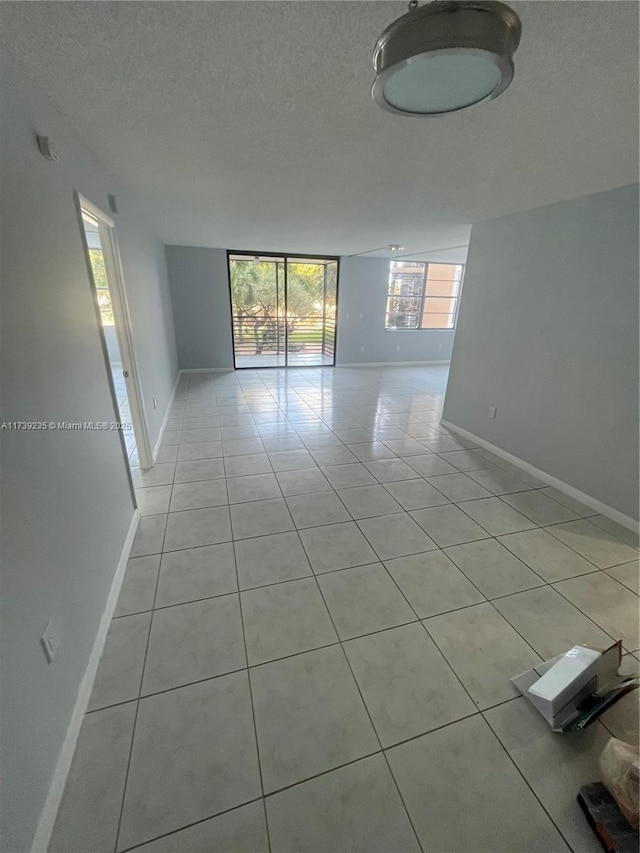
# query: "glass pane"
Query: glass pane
{"points": [[406, 278], [405, 321], [441, 287], [311, 296], [442, 272], [330, 306], [403, 305], [437, 321], [274, 325], [405, 286], [438, 313], [104, 303], [406, 267], [444, 279], [398, 318], [439, 305], [259, 321], [102, 286]]}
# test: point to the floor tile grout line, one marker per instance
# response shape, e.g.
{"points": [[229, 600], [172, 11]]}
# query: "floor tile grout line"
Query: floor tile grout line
{"points": [[547, 529], [573, 604], [421, 621], [190, 825], [522, 637], [384, 484], [540, 655], [475, 713], [328, 491], [365, 706], [482, 497], [346, 569], [253, 710], [488, 532], [522, 512], [533, 569], [617, 580], [562, 542], [604, 529], [137, 711], [526, 781], [515, 556]]}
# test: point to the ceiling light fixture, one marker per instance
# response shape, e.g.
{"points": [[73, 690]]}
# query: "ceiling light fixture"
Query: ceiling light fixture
{"points": [[395, 247], [445, 56]]}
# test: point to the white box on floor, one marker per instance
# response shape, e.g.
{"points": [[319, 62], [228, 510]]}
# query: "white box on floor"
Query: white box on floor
{"points": [[559, 687]]}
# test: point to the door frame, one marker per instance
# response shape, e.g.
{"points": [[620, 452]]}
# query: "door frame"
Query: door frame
{"points": [[285, 258], [122, 323]]}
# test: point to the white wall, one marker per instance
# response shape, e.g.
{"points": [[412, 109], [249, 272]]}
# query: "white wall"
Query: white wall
{"points": [[548, 333], [362, 304], [201, 306], [67, 506], [202, 311]]}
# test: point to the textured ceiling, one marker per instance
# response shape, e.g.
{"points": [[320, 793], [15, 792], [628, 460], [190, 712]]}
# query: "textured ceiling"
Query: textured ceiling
{"points": [[250, 124]]}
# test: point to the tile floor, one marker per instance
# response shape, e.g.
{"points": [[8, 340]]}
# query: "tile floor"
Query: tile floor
{"points": [[124, 412], [327, 595]]}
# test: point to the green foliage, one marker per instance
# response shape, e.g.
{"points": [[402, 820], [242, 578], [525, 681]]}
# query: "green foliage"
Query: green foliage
{"points": [[102, 286], [97, 265], [306, 336], [257, 292], [253, 288], [106, 310]]}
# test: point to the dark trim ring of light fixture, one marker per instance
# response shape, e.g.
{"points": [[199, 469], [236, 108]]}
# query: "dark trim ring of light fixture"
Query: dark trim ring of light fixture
{"points": [[445, 56]]}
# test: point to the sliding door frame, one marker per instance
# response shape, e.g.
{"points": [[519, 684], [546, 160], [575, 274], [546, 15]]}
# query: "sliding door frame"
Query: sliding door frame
{"points": [[286, 257]]}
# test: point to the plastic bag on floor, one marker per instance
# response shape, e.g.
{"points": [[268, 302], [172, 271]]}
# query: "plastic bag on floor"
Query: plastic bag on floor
{"points": [[620, 768]]}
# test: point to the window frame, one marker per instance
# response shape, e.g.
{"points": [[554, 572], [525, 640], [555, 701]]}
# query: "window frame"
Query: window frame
{"points": [[423, 297]]}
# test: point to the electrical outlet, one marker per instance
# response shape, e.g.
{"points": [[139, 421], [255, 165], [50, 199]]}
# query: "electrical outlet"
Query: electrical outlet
{"points": [[398, 348], [50, 641], [361, 349], [492, 412], [155, 402]]}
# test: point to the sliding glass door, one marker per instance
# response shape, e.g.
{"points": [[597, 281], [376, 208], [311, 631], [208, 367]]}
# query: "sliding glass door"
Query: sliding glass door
{"points": [[283, 309], [258, 311]]}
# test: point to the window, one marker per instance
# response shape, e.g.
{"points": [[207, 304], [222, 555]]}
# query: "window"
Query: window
{"points": [[423, 295], [102, 288]]}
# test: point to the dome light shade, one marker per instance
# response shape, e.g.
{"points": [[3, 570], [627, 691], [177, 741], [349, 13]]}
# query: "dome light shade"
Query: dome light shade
{"points": [[445, 56]]}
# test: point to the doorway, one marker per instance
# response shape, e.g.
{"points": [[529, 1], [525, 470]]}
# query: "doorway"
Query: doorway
{"points": [[283, 309], [115, 329]]}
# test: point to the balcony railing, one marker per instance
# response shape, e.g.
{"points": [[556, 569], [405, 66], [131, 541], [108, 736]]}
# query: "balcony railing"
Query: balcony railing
{"points": [[265, 335]]}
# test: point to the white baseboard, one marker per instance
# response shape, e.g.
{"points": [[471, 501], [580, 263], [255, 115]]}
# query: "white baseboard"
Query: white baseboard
{"points": [[337, 364], [156, 449], [391, 363], [571, 491], [56, 789]]}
